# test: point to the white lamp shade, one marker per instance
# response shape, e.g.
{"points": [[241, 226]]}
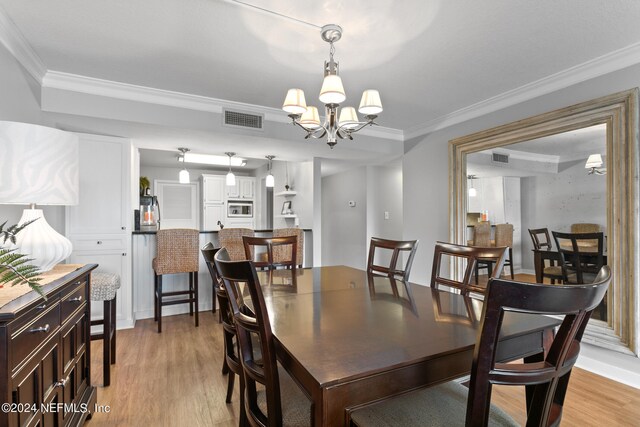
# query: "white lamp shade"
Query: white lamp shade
{"points": [[594, 161], [40, 242], [38, 165], [310, 119], [370, 104], [269, 181], [231, 179], [332, 91], [183, 176], [294, 102], [348, 118], [472, 192]]}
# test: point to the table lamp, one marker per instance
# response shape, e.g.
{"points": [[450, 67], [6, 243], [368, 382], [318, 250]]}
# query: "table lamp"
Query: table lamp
{"points": [[39, 166]]}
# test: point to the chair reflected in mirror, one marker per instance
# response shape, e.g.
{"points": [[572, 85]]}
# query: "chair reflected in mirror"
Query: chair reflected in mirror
{"points": [[285, 280], [388, 288]]}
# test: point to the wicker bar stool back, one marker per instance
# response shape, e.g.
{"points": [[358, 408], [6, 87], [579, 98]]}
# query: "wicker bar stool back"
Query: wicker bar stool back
{"points": [[177, 252], [231, 240]]}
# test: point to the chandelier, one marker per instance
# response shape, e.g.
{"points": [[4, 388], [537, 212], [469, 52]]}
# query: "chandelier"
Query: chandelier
{"points": [[331, 95]]}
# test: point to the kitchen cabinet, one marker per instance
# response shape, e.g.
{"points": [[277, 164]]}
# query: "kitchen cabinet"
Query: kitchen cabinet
{"points": [[213, 189], [213, 201], [45, 354], [244, 188], [99, 226], [239, 223]]}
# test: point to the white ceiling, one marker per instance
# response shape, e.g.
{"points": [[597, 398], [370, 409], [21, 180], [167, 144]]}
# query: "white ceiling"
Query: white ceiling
{"points": [[427, 58]]}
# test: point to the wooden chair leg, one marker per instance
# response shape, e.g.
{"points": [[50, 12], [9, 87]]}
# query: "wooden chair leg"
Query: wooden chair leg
{"points": [[113, 330], [191, 294], [511, 262], [106, 343], [225, 367], [195, 296], [155, 296], [159, 304], [230, 382]]}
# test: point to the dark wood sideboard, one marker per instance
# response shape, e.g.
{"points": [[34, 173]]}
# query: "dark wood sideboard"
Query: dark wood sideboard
{"points": [[45, 375]]}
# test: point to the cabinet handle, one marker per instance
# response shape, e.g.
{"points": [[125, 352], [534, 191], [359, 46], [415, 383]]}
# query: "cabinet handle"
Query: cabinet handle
{"points": [[41, 306], [124, 254], [123, 228], [76, 299], [44, 329], [99, 242], [62, 383]]}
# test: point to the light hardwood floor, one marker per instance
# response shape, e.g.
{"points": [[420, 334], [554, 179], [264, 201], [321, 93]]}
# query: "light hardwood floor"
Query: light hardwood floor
{"points": [[175, 379]]}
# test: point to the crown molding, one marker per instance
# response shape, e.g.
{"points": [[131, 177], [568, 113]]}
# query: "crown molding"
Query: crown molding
{"points": [[610, 62], [15, 42], [129, 92]]}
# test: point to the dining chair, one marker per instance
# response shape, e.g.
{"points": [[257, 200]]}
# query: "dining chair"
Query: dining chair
{"points": [[542, 242], [546, 376], [271, 397], [176, 252], [284, 252], [481, 239], [396, 246], [231, 240], [466, 258], [582, 255], [208, 251], [270, 244], [504, 239]]}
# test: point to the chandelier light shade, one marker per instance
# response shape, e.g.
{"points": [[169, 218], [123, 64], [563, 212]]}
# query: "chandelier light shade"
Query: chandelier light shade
{"points": [[295, 103], [332, 94], [231, 178], [594, 163], [39, 165], [183, 175], [270, 180]]}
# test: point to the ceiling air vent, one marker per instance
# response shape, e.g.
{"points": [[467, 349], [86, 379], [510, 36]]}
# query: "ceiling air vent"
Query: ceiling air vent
{"points": [[499, 158], [243, 120]]}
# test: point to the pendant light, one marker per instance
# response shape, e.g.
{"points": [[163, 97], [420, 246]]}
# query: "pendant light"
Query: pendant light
{"points": [[183, 175], [231, 178], [472, 191], [270, 181]]}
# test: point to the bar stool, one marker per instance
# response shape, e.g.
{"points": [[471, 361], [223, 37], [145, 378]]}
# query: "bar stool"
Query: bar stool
{"points": [[177, 252], [104, 287]]}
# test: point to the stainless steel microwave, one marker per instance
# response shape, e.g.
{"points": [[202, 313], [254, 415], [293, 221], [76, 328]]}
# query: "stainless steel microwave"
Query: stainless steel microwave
{"points": [[240, 209]]}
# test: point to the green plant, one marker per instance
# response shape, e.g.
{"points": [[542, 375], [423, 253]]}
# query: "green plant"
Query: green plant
{"points": [[144, 184], [14, 266]]}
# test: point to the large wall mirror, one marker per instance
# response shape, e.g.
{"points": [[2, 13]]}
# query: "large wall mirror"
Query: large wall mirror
{"points": [[532, 173]]}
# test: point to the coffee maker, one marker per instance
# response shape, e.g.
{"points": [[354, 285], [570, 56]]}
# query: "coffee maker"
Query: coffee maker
{"points": [[149, 213]]}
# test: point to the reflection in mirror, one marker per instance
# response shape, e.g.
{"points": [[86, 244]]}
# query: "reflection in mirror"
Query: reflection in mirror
{"points": [[578, 193], [540, 183]]}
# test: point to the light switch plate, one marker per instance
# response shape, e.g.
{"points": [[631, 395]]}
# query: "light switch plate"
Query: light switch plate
{"points": [[352, 203], [386, 214]]}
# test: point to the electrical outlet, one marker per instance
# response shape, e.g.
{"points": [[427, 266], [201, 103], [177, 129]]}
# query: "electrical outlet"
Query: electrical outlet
{"points": [[386, 214]]}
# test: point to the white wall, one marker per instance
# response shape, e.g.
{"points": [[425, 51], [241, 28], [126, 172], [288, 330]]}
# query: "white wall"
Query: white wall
{"points": [[384, 194], [426, 195], [19, 103], [301, 180], [558, 200]]}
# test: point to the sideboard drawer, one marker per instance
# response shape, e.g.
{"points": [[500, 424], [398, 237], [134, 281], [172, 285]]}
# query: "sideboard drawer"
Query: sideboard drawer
{"points": [[72, 301], [34, 333]]}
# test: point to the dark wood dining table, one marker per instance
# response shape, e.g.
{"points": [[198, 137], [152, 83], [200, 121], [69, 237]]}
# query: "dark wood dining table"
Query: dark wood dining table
{"points": [[349, 339]]}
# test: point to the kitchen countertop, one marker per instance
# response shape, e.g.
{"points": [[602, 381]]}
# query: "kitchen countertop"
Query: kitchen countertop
{"points": [[211, 231]]}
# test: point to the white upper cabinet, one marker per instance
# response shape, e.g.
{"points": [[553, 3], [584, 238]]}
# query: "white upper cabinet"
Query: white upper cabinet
{"points": [[247, 186], [104, 187], [213, 188]]}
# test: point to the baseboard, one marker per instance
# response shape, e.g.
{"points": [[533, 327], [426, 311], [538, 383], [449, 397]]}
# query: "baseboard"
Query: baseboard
{"points": [[618, 367], [170, 311]]}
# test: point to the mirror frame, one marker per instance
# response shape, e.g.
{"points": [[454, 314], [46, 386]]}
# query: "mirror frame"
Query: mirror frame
{"points": [[620, 113]]}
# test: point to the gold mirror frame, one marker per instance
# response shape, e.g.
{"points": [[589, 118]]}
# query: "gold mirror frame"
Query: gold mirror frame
{"points": [[620, 113]]}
